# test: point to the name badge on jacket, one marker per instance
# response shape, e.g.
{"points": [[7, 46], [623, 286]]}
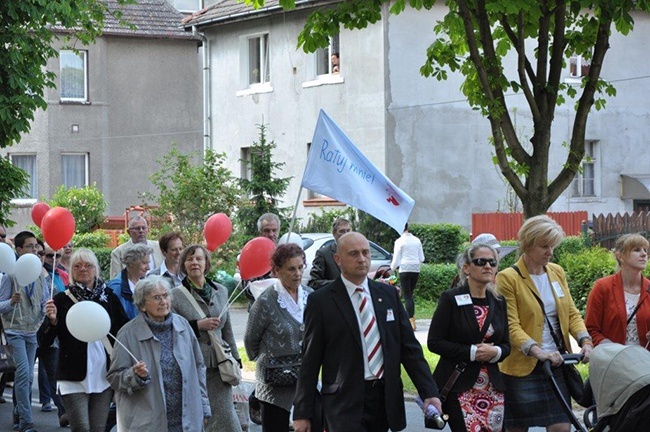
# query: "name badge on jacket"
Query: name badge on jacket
{"points": [[558, 289], [463, 299], [389, 315]]}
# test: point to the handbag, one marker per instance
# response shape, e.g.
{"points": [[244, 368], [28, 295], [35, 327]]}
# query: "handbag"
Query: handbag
{"points": [[228, 366], [7, 362], [572, 377], [282, 371]]}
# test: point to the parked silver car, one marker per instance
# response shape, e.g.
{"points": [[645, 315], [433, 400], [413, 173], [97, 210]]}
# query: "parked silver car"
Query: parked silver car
{"points": [[311, 242]]}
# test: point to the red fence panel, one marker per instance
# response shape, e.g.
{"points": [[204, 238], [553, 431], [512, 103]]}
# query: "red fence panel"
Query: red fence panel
{"points": [[505, 226]]}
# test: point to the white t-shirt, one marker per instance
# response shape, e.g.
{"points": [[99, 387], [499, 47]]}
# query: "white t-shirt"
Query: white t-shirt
{"points": [[543, 285]]}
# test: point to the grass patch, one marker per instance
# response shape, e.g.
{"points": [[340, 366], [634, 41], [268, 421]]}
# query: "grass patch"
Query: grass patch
{"points": [[431, 358], [248, 364], [424, 308]]}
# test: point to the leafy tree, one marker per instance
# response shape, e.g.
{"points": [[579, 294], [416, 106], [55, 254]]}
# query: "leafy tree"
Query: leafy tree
{"points": [[191, 188], [27, 31], [13, 181], [473, 39], [262, 190], [86, 204]]}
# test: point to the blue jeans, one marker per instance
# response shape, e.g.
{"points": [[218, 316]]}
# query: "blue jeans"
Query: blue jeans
{"points": [[25, 355], [47, 360]]}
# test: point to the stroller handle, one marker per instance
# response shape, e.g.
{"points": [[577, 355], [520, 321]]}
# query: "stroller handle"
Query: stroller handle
{"points": [[572, 358]]}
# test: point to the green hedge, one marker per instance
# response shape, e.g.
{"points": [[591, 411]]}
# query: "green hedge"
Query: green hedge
{"points": [[441, 242], [583, 269], [434, 279], [104, 258], [571, 245]]}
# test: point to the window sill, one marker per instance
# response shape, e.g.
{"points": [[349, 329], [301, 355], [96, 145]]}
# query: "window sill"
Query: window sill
{"points": [[74, 102], [324, 80], [255, 89], [322, 202], [587, 199], [23, 202], [573, 80]]}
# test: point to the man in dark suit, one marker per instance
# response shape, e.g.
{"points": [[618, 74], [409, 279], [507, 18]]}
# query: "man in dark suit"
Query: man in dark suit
{"points": [[359, 393], [324, 268]]}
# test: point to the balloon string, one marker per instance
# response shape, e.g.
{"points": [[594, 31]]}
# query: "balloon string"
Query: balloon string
{"points": [[125, 348], [230, 304], [53, 275], [233, 292]]}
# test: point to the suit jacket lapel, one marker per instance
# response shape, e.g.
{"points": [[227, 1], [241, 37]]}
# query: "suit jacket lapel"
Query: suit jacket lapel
{"points": [[468, 313], [342, 300], [490, 315]]}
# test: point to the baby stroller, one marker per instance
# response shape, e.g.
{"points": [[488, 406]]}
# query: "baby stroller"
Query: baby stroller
{"points": [[566, 404], [620, 379]]}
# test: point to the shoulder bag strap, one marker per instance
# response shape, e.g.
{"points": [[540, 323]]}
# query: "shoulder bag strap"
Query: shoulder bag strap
{"points": [[458, 370], [636, 309], [558, 341], [107, 345], [213, 335]]}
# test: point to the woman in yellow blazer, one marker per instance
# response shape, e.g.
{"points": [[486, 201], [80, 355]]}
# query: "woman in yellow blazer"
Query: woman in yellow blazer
{"points": [[531, 282]]}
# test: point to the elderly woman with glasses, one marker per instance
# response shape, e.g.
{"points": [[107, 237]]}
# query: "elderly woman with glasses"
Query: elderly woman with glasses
{"points": [[82, 367], [165, 390], [274, 329], [469, 330], [212, 299], [542, 316], [135, 257]]}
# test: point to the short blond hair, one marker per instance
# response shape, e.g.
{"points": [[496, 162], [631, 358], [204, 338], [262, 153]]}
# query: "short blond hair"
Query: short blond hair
{"points": [[540, 230], [626, 243]]}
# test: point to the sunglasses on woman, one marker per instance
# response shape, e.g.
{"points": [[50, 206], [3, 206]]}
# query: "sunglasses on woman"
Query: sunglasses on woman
{"points": [[480, 262]]}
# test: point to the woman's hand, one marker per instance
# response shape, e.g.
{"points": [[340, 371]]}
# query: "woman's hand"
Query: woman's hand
{"points": [[208, 324], [586, 352], [50, 311], [553, 356], [140, 369], [485, 352]]}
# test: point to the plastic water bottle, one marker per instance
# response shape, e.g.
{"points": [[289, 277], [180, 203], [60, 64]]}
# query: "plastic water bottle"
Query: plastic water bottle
{"points": [[432, 414]]}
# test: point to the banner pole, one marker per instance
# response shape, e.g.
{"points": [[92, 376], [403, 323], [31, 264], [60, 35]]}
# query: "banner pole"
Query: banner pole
{"points": [[295, 210]]}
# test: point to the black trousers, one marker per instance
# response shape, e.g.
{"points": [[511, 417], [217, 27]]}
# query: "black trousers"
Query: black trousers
{"points": [[374, 407], [274, 418], [407, 282]]}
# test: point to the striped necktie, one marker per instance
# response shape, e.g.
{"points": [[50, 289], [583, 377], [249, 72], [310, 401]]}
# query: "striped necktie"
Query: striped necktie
{"points": [[370, 334]]}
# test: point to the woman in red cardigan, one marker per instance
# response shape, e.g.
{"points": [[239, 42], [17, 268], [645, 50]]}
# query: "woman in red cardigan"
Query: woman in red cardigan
{"points": [[618, 307]]}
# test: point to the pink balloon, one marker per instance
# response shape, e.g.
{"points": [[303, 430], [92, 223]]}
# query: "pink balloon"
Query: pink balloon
{"points": [[38, 211], [58, 227], [255, 258], [217, 229]]}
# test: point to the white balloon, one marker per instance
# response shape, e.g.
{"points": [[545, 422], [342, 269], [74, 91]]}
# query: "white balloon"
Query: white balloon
{"points": [[293, 238], [28, 268], [7, 259], [88, 321]]}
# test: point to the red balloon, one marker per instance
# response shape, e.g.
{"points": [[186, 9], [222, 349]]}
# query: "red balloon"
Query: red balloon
{"points": [[255, 258], [58, 227], [217, 230], [38, 211]]}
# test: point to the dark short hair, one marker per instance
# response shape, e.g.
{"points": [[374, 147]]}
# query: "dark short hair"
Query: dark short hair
{"points": [[191, 250], [285, 252], [168, 238], [338, 222], [19, 240]]}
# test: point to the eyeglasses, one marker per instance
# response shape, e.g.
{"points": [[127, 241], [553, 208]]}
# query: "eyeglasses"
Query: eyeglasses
{"points": [[51, 255], [158, 297], [140, 228], [83, 266], [480, 262], [41, 253]]}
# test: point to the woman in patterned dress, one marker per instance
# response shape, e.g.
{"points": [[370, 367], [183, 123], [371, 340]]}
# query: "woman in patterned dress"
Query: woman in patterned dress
{"points": [[618, 307], [469, 330]]}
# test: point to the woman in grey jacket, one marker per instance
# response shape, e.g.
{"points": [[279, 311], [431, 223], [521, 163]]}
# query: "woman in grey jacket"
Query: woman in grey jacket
{"points": [[275, 328], [165, 391]]}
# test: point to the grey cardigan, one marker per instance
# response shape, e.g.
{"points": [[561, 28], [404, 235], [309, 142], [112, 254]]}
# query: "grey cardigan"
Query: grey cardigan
{"points": [[271, 329], [142, 404], [219, 300]]}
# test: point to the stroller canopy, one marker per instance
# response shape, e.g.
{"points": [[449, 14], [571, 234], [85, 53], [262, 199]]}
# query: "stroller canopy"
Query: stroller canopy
{"points": [[617, 372]]}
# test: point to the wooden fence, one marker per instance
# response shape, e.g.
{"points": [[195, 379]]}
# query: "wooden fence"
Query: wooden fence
{"points": [[607, 228], [505, 226]]}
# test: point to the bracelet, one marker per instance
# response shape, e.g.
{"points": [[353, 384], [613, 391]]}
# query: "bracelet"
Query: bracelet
{"points": [[585, 340]]}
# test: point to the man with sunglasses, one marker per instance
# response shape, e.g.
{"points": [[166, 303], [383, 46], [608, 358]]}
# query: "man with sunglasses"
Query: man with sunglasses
{"points": [[138, 230], [22, 309], [47, 356]]}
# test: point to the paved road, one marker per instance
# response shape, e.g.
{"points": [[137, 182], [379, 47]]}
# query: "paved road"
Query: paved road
{"points": [[48, 422]]}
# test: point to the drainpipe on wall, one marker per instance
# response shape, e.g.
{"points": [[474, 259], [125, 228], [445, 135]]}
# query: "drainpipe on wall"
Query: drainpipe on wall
{"points": [[207, 141]]}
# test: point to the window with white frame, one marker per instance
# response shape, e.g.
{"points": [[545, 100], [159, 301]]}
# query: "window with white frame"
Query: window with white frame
{"points": [[188, 5], [74, 170], [73, 76], [27, 162], [585, 183], [259, 71], [578, 66], [245, 160], [328, 59]]}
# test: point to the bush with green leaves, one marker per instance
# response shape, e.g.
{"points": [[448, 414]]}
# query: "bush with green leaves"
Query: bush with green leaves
{"points": [[322, 222], [94, 240], [583, 269], [86, 204], [511, 258], [441, 242], [434, 279], [103, 255], [571, 245]]}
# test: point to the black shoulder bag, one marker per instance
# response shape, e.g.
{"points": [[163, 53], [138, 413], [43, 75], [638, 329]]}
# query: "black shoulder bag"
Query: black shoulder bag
{"points": [[571, 375]]}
